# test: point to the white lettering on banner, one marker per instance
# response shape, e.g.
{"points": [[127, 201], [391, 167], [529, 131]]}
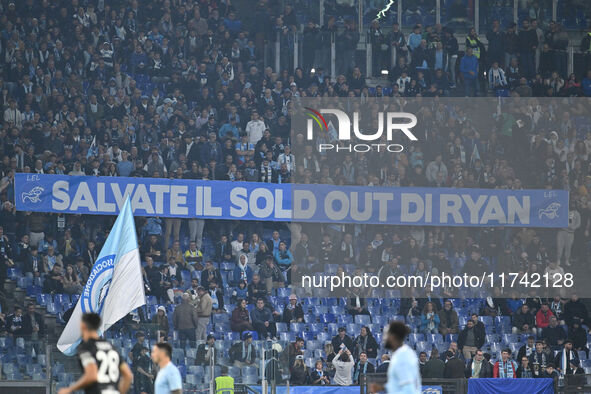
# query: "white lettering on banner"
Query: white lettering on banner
{"points": [[103, 205], [141, 200], [299, 212], [83, 198], [238, 196], [159, 191], [406, 199], [493, 212], [199, 200], [474, 207], [355, 213], [514, 208], [272, 203], [446, 209], [347, 200], [178, 197], [120, 198], [208, 209], [267, 208], [280, 212], [61, 198], [382, 199]]}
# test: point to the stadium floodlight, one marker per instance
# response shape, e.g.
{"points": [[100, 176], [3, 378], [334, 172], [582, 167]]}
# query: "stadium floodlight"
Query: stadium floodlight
{"points": [[385, 72], [313, 70]]}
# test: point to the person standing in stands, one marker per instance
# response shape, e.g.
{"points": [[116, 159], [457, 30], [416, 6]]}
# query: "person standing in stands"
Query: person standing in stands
{"points": [[454, 366], [362, 367], [204, 308], [470, 340], [505, 367], [479, 367], [469, 70], [343, 363], [342, 340], [435, 367], [185, 319]]}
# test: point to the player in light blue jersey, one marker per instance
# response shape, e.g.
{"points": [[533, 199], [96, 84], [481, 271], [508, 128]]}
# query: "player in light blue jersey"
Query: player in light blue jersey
{"points": [[403, 372], [168, 380]]}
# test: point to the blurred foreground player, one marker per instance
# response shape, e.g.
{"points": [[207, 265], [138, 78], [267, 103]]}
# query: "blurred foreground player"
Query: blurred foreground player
{"points": [[104, 370], [168, 380], [403, 372]]}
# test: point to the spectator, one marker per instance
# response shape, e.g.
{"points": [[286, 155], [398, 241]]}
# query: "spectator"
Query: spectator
{"points": [[470, 340], [554, 334], [448, 319], [54, 281], [505, 367], [528, 348], [523, 321], [299, 374], [524, 370], [342, 340], [344, 364], [185, 319], [383, 367], [362, 367], [429, 320], [539, 359], [240, 320], [206, 352], [479, 367], [243, 353], [469, 70], [454, 367], [543, 318], [33, 324], [203, 310], [319, 377], [366, 343], [161, 321], [14, 322], [435, 367], [263, 320], [564, 357], [293, 311]]}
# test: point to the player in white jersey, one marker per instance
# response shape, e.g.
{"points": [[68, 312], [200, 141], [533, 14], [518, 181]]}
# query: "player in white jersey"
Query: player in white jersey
{"points": [[403, 372]]}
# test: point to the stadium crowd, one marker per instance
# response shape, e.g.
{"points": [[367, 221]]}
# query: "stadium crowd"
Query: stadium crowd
{"points": [[179, 89]]}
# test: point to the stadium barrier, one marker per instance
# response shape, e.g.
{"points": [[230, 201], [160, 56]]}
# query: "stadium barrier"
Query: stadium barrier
{"points": [[25, 387]]}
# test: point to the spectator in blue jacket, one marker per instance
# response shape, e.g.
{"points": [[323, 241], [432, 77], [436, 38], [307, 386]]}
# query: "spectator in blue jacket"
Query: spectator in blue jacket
{"points": [[242, 272], [283, 256], [429, 319], [469, 70]]}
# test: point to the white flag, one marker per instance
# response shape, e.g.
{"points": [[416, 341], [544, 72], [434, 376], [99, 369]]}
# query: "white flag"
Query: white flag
{"points": [[115, 285]]}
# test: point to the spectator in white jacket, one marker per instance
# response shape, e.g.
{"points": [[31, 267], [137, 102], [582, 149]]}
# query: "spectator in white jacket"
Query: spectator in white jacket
{"points": [[343, 363], [255, 128], [496, 77], [288, 158], [13, 115], [434, 167]]}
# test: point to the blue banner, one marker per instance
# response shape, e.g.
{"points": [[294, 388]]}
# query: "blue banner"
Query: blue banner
{"points": [[188, 198], [334, 389], [516, 386]]}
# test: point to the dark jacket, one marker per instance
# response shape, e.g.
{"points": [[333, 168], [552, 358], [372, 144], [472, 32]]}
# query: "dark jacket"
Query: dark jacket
{"points": [[434, 369], [28, 327], [238, 353], [454, 369], [479, 337], [336, 343], [520, 319], [486, 370]]}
